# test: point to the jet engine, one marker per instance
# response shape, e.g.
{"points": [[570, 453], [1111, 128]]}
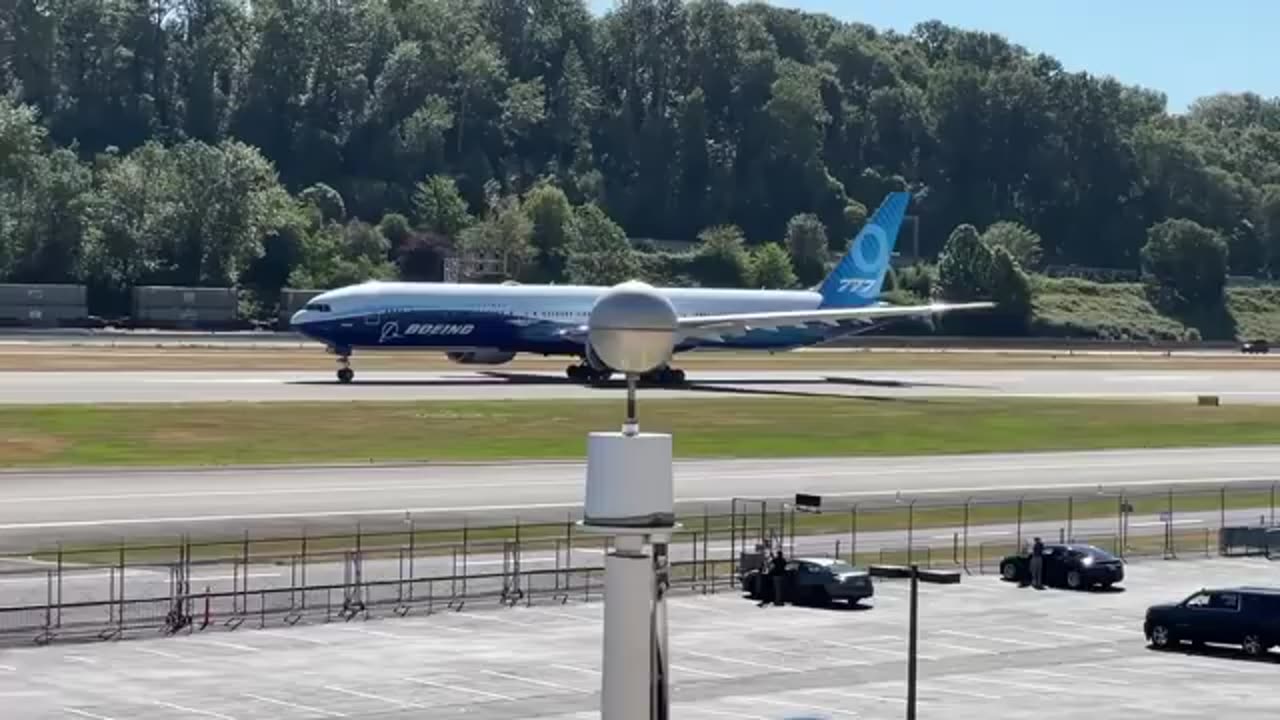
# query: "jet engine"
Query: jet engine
{"points": [[593, 359], [480, 357]]}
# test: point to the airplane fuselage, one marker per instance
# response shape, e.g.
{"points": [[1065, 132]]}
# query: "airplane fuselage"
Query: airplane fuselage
{"points": [[529, 318]]}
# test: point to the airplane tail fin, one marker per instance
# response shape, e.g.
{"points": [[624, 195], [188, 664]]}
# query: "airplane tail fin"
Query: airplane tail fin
{"points": [[857, 280]]}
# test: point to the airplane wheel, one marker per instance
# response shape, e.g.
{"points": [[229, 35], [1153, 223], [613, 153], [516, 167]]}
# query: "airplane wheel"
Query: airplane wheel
{"points": [[677, 377], [345, 375]]}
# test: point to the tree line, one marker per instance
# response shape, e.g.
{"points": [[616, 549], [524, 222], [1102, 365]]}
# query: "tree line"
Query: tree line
{"points": [[312, 143]]}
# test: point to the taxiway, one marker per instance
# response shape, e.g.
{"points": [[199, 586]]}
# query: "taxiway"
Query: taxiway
{"points": [[77, 506], [108, 387]]}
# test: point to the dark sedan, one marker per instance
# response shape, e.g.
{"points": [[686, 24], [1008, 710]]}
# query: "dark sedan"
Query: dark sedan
{"points": [[1067, 565], [816, 581]]}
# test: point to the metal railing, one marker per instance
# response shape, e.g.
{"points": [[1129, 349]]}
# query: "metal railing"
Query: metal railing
{"points": [[188, 586]]}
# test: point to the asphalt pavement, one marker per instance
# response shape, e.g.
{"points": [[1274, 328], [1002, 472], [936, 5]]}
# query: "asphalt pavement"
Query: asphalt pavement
{"points": [[988, 650], [37, 507], [101, 387]]}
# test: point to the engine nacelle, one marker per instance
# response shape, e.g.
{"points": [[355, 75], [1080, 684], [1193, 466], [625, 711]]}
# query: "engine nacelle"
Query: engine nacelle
{"points": [[480, 357], [593, 359]]}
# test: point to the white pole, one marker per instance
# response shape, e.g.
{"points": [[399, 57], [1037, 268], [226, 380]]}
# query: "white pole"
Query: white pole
{"points": [[628, 599]]}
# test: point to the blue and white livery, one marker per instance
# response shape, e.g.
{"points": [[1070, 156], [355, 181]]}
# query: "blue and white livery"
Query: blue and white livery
{"points": [[491, 324]]}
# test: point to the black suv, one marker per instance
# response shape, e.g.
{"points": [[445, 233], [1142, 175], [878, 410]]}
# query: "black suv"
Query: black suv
{"points": [[1255, 347], [1244, 616]]}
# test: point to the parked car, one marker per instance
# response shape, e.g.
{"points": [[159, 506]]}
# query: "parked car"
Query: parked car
{"points": [[1258, 346], [1067, 565], [813, 580], [1245, 616]]}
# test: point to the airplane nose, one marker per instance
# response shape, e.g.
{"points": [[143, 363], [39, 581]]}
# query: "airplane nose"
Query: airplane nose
{"points": [[295, 322]]}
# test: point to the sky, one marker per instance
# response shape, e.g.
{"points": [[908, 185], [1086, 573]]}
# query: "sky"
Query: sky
{"points": [[1183, 48]]}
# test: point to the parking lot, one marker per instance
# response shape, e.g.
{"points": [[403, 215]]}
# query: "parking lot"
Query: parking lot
{"points": [[988, 650]]}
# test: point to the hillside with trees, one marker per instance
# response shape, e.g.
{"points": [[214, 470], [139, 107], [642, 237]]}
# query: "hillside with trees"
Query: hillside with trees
{"points": [[310, 144]]}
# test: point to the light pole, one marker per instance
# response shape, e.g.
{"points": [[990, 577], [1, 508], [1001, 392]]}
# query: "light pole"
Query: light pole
{"points": [[631, 497]]}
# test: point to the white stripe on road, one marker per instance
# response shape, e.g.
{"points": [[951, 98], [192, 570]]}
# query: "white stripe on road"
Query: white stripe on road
{"points": [[367, 696], [193, 711], [295, 706], [531, 681], [459, 688]]}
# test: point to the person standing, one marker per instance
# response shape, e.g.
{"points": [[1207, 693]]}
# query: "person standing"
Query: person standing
{"points": [[777, 571], [1037, 564]]}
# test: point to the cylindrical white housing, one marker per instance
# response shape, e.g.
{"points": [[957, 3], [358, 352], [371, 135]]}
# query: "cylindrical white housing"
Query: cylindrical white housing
{"points": [[629, 481], [628, 598]]}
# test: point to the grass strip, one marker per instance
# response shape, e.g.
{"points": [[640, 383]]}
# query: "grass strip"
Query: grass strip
{"points": [[276, 433]]}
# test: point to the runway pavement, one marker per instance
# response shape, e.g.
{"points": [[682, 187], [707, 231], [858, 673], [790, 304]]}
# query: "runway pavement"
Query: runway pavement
{"points": [[1238, 386], [72, 506]]}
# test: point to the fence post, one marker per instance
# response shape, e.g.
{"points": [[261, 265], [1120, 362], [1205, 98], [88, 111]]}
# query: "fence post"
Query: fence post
{"points": [[911, 520], [1071, 532], [733, 527], [413, 545], [966, 533], [1120, 525], [120, 615], [853, 535], [1172, 550], [303, 571], [59, 620], [706, 531], [1273, 504], [465, 551], [1222, 506], [1019, 540]]}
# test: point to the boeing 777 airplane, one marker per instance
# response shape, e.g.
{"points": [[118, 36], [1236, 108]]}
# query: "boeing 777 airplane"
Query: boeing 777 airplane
{"points": [[489, 324]]}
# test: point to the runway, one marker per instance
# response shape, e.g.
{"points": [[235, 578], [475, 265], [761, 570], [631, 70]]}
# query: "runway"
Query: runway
{"points": [[42, 506], [1239, 386]]}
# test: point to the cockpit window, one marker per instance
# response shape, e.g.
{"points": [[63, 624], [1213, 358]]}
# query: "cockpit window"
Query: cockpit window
{"points": [[317, 307]]}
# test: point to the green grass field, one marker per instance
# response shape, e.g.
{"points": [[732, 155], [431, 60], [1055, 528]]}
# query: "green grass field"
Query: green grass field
{"points": [[224, 434]]}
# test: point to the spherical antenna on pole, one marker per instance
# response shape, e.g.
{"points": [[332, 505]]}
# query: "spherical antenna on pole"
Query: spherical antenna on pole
{"points": [[632, 329]]}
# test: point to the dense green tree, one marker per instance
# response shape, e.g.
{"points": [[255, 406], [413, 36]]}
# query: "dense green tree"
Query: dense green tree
{"points": [[1188, 260], [807, 242], [722, 259], [965, 267], [504, 237], [599, 253], [438, 207], [771, 268], [553, 219], [156, 141], [1016, 239]]}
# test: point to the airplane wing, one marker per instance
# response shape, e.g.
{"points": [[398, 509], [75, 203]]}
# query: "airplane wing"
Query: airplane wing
{"points": [[718, 326], [715, 326]]}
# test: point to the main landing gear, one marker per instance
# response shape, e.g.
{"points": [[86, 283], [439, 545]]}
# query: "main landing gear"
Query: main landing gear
{"points": [[588, 374], [345, 373]]}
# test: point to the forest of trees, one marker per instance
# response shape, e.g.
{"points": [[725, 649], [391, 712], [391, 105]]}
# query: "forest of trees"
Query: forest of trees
{"points": [[314, 142]]}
